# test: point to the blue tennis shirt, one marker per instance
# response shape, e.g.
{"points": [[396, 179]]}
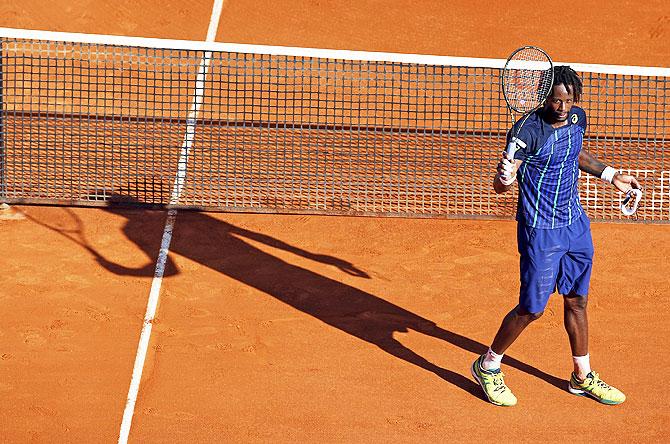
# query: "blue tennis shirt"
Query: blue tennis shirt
{"points": [[548, 176]]}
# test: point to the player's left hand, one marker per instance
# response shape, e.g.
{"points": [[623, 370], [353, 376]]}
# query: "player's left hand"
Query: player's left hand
{"points": [[625, 183]]}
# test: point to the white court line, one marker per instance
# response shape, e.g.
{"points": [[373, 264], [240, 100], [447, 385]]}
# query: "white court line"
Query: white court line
{"points": [[152, 303]]}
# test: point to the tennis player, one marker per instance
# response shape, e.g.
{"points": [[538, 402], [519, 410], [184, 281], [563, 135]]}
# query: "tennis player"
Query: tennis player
{"points": [[553, 235]]}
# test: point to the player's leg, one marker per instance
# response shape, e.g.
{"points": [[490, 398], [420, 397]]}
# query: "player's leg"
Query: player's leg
{"points": [[576, 324], [511, 327], [583, 380], [539, 261], [573, 282], [538, 271]]}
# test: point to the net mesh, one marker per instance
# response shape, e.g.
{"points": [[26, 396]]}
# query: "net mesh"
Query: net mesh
{"points": [[86, 123]]}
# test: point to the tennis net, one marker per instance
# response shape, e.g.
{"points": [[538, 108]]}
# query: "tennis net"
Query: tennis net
{"points": [[89, 119]]}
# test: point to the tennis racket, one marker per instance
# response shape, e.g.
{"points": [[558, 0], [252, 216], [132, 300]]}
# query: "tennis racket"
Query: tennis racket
{"points": [[526, 80]]}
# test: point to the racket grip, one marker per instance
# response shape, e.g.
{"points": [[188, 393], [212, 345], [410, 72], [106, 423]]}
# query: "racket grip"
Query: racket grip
{"points": [[511, 149]]}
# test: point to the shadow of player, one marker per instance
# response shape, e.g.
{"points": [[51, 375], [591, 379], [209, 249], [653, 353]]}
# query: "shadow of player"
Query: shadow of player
{"points": [[225, 248]]}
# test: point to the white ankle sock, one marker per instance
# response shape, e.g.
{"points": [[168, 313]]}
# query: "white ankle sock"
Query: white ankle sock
{"points": [[582, 364], [491, 360]]}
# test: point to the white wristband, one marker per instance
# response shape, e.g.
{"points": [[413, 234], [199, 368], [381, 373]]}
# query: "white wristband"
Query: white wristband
{"points": [[608, 174]]}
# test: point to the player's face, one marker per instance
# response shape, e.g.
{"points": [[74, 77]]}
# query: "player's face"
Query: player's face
{"points": [[559, 103]]}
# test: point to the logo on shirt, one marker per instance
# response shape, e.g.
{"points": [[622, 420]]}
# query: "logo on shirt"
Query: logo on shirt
{"points": [[574, 118]]}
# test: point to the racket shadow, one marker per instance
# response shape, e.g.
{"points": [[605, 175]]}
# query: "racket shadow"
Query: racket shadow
{"points": [[225, 248]]}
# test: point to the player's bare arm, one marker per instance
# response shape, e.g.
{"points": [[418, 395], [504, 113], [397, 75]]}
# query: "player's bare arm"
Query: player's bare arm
{"points": [[623, 182]]}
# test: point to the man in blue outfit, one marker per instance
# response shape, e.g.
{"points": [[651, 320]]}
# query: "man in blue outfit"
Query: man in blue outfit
{"points": [[553, 235]]}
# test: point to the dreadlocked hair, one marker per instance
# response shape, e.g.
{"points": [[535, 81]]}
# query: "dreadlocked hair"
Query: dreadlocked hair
{"points": [[564, 75]]}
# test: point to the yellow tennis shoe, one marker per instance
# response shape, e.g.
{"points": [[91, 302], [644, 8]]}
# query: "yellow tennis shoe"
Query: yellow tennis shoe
{"points": [[596, 388], [493, 383]]}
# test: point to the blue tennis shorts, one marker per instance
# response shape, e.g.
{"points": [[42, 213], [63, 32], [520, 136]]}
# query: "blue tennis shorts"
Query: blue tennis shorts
{"points": [[554, 259]]}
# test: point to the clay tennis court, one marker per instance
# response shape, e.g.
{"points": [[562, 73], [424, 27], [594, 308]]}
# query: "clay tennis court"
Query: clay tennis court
{"points": [[299, 328]]}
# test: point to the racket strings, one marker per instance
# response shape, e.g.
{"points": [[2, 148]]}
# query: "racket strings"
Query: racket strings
{"points": [[527, 79]]}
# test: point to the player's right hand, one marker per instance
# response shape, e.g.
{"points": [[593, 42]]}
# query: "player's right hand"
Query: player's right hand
{"points": [[506, 171]]}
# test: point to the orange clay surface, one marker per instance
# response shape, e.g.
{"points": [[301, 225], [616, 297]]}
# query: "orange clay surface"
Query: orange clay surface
{"points": [[324, 329]]}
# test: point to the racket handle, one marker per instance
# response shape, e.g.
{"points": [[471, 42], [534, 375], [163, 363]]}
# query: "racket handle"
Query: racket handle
{"points": [[513, 145], [506, 176], [511, 149]]}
